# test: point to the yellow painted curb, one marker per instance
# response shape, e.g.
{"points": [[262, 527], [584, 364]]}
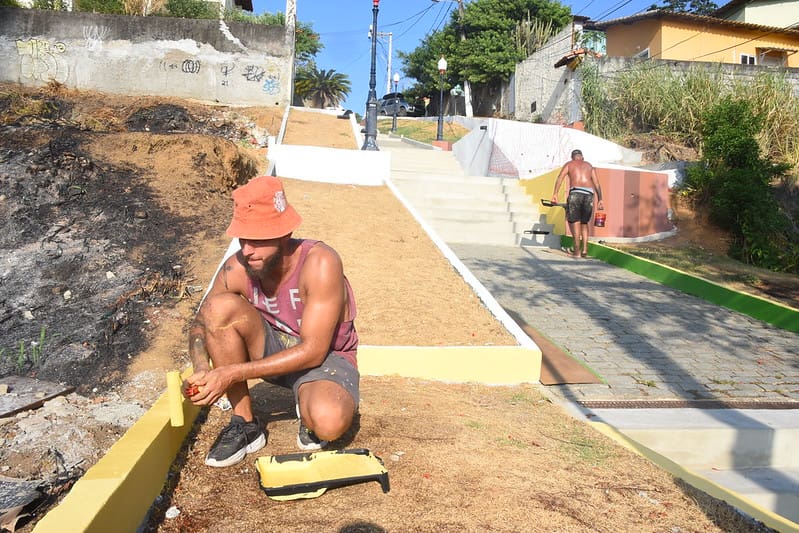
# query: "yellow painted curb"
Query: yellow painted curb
{"points": [[767, 517], [492, 365], [117, 492]]}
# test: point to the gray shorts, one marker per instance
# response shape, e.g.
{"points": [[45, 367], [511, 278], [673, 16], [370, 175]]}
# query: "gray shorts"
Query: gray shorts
{"points": [[335, 368]]}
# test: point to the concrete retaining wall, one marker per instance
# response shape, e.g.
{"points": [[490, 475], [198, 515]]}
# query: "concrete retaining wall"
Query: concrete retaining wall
{"points": [[209, 60]]}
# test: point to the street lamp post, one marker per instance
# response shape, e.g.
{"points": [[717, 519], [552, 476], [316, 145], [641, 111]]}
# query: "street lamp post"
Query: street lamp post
{"points": [[370, 136], [442, 68], [396, 102]]}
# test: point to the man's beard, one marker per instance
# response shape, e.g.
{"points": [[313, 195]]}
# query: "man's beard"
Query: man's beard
{"points": [[261, 273]]}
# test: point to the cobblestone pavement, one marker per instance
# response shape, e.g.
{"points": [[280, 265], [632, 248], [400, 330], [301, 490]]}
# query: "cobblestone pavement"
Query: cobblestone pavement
{"points": [[647, 341]]}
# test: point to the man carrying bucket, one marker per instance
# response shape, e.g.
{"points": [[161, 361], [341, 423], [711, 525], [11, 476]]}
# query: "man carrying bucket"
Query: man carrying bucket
{"points": [[583, 184]]}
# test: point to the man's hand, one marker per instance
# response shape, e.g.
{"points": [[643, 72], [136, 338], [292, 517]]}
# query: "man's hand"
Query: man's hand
{"points": [[206, 387], [554, 198], [600, 206]]}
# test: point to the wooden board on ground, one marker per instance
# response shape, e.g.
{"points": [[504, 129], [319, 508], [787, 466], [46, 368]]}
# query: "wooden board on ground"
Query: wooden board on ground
{"points": [[557, 366]]}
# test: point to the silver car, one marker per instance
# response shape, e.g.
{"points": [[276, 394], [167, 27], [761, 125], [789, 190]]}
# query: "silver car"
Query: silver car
{"points": [[387, 104]]}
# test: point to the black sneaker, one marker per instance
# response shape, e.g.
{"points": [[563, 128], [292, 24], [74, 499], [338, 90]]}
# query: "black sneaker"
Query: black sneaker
{"points": [[235, 441], [307, 439]]}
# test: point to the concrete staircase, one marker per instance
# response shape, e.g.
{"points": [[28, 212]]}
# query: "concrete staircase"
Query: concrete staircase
{"points": [[465, 209], [751, 452]]}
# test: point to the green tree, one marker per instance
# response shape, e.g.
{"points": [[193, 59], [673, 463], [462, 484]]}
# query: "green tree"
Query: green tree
{"points": [[322, 87], [112, 7], [489, 53], [734, 183], [697, 7]]}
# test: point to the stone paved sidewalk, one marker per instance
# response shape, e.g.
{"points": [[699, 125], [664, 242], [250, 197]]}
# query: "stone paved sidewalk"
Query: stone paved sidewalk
{"points": [[646, 341]]}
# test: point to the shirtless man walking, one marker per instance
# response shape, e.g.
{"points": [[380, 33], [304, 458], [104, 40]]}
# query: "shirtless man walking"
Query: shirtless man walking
{"points": [[583, 184]]}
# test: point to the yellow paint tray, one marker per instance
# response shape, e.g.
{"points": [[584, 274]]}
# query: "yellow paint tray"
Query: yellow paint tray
{"points": [[308, 475]]}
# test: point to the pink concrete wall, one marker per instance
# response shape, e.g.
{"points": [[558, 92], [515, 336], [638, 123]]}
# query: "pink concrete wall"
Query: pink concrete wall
{"points": [[636, 203]]}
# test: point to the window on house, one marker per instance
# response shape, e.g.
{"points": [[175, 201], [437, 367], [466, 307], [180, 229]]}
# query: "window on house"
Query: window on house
{"points": [[746, 59], [643, 54]]}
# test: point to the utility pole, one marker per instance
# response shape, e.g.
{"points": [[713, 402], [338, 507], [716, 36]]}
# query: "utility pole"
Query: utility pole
{"points": [[467, 87], [388, 70]]}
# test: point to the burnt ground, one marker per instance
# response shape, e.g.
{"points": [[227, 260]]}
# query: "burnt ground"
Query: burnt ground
{"points": [[111, 208], [91, 255]]}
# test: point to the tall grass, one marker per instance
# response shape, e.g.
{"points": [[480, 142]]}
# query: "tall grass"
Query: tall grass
{"points": [[647, 98]]}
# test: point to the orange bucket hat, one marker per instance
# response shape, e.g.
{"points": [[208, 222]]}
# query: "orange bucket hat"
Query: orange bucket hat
{"points": [[261, 211]]}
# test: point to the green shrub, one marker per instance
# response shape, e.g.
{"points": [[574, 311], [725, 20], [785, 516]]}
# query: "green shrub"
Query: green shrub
{"points": [[9, 3], [53, 5], [192, 9], [734, 183], [649, 97], [112, 7]]}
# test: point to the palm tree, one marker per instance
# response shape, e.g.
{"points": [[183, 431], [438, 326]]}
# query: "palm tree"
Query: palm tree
{"points": [[322, 87]]}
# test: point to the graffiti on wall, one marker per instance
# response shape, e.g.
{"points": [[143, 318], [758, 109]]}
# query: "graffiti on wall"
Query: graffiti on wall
{"points": [[41, 60], [269, 80], [95, 35], [268, 77], [226, 69]]}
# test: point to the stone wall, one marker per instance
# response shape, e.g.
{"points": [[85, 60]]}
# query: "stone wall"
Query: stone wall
{"points": [[208, 60], [544, 93]]}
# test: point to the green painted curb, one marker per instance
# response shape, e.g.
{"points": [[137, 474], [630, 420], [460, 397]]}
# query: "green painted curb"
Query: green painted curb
{"points": [[773, 313]]}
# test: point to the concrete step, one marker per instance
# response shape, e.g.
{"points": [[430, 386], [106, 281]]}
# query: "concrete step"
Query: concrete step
{"points": [[716, 438], [776, 489], [463, 209], [496, 212], [748, 451], [480, 233], [462, 200]]}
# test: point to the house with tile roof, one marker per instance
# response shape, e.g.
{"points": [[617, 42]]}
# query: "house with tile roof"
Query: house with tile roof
{"points": [[668, 35], [784, 13]]}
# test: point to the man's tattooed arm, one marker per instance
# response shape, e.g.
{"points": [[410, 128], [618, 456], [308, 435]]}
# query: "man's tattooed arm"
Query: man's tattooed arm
{"points": [[225, 269], [197, 351]]}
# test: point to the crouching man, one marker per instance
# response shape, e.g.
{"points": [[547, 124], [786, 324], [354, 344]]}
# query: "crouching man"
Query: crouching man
{"points": [[281, 310]]}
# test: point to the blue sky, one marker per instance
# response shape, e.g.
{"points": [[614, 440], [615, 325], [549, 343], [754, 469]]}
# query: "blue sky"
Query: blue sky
{"points": [[344, 25]]}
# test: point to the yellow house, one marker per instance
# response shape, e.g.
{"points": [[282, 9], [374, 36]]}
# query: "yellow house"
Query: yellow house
{"points": [[660, 34], [780, 13]]}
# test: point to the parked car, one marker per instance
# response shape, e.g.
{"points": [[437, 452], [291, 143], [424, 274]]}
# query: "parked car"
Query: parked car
{"points": [[390, 101]]}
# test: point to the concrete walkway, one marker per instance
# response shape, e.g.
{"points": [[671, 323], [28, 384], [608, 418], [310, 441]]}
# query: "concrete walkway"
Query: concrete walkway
{"points": [[668, 361], [645, 340]]}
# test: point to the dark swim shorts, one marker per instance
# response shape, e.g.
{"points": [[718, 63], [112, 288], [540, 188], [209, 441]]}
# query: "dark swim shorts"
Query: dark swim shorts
{"points": [[335, 368], [579, 207]]}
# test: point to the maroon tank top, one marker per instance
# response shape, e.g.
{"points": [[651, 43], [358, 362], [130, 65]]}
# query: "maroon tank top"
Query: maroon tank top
{"points": [[284, 310]]}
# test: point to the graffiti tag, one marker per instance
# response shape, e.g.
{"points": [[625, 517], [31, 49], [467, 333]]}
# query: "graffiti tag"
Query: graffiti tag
{"points": [[40, 60]]}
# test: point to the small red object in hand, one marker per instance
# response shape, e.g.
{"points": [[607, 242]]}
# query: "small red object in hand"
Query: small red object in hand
{"points": [[191, 390]]}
